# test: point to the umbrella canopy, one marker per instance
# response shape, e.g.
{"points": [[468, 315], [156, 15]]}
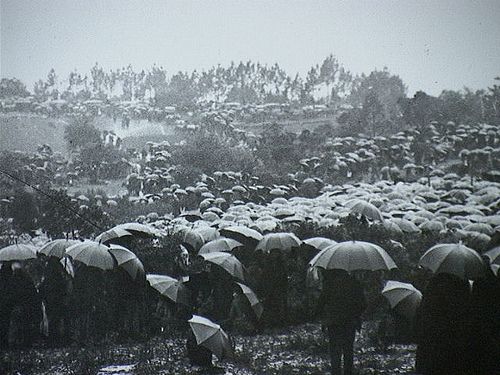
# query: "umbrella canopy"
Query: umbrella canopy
{"points": [[17, 252], [228, 262], [405, 225], [220, 244], [365, 208], [242, 234], [494, 255], [127, 260], [56, 248], [352, 256], [93, 254], [112, 234], [252, 298], [192, 239], [455, 259], [319, 243], [137, 229], [211, 336], [169, 287], [278, 241], [403, 297]]}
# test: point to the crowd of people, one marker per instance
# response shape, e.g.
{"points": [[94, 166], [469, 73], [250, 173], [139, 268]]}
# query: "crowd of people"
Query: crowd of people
{"points": [[405, 192]]}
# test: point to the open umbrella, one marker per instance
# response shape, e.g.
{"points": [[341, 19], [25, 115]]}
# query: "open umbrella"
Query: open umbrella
{"points": [[220, 244], [228, 262], [352, 256], [112, 234], [137, 229], [252, 298], [319, 243], [402, 297], [455, 259], [169, 287], [278, 241], [93, 254], [127, 260], [405, 225], [211, 336], [242, 234], [364, 208], [17, 252], [494, 255], [56, 248]]}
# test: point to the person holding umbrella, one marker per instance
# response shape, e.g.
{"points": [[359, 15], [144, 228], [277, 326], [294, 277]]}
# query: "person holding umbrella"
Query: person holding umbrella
{"points": [[6, 303], [342, 299], [54, 292], [340, 306]]}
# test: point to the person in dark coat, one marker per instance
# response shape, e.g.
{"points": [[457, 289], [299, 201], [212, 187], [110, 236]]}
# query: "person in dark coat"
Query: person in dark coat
{"points": [[197, 354], [443, 327], [53, 291], [27, 308], [485, 315], [274, 286], [6, 303], [340, 305]]}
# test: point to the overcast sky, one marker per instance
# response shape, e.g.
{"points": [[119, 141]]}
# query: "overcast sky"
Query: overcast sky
{"points": [[432, 45]]}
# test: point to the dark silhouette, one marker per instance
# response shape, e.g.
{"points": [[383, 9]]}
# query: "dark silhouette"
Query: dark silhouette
{"points": [[6, 303], [340, 306], [443, 327], [27, 309], [485, 315], [54, 293]]}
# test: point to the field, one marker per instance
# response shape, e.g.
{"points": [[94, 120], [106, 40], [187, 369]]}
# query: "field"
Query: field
{"points": [[25, 131], [293, 350]]}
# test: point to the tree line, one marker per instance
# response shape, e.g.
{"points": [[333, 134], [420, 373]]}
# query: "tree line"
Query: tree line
{"points": [[374, 103]]}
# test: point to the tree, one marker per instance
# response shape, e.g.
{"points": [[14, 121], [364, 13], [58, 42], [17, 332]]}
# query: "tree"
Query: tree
{"points": [[389, 90], [80, 132], [181, 92], [492, 104], [372, 113], [12, 87], [420, 110], [338, 80]]}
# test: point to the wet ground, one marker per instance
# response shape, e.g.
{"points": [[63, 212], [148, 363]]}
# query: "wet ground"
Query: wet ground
{"points": [[292, 350]]}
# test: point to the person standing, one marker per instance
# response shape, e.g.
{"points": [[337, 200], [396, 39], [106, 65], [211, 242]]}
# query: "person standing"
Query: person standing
{"points": [[340, 305], [53, 290], [443, 326], [6, 303]]}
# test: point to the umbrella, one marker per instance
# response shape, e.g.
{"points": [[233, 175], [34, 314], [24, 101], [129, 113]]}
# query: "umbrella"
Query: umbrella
{"points": [[211, 336], [352, 256], [112, 234], [494, 255], [242, 234], [17, 252], [402, 297], [278, 241], [252, 298], [365, 208], [405, 225], [192, 238], [127, 260], [92, 254], [171, 288], [141, 230], [455, 259], [319, 243], [220, 244], [228, 262], [56, 248]]}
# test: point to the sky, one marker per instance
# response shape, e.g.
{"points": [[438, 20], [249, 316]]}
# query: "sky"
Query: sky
{"points": [[431, 45]]}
